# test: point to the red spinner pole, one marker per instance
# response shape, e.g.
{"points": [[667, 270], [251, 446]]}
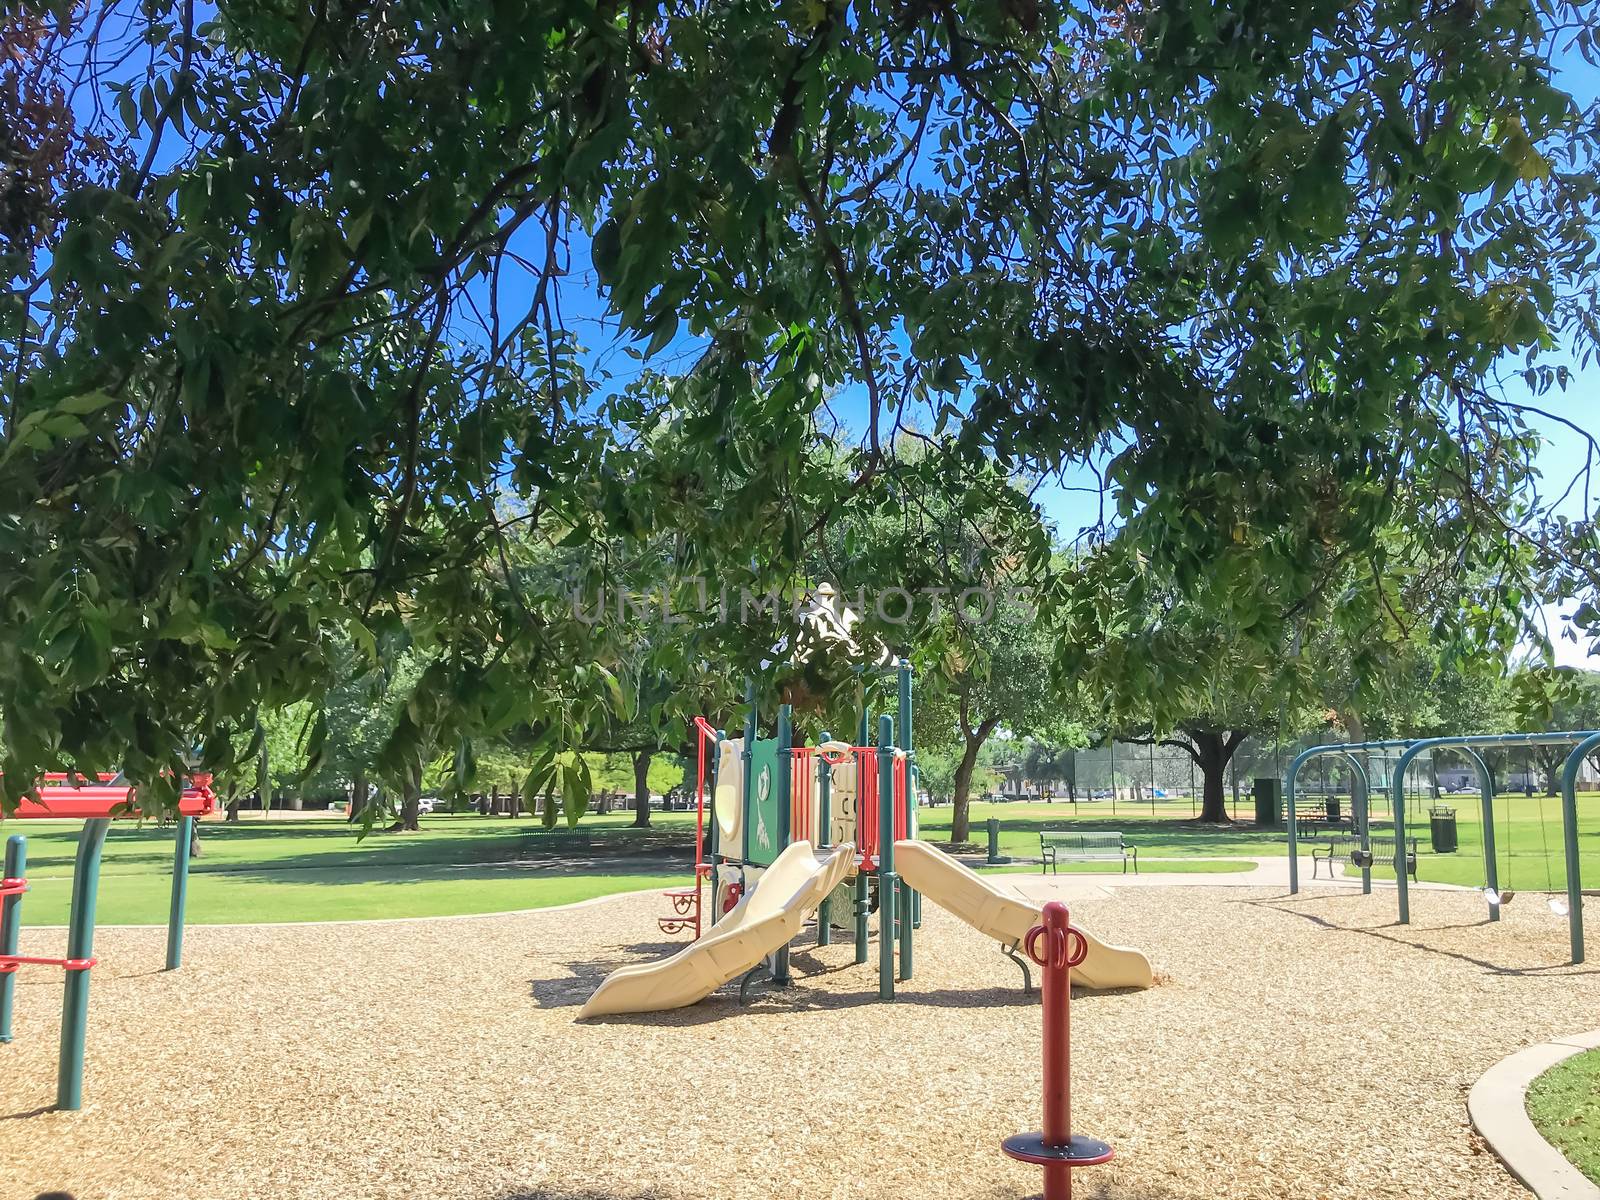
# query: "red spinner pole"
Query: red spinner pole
{"points": [[1057, 947]]}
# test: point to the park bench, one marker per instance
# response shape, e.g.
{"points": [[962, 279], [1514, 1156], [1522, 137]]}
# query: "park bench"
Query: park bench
{"points": [[1348, 850], [1312, 815], [1057, 846]]}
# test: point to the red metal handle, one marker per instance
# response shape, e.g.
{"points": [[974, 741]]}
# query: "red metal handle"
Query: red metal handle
{"points": [[1068, 947], [10, 962]]}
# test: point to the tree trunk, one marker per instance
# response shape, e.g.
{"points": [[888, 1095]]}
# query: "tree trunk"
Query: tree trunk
{"points": [[1552, 774], [961, 785], [234, 800], [1212, 753], [358, 793], [194, 838], [961, 792], [641, 788], [411, 802]]}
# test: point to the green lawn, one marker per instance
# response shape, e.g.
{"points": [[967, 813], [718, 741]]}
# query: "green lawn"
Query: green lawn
{"points": [[310, 869], [316, 870], [1528, 842], [1564, 1103]]}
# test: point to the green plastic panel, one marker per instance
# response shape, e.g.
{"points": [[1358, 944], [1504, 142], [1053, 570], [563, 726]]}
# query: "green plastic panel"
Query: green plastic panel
{"points": [[764, 805]]}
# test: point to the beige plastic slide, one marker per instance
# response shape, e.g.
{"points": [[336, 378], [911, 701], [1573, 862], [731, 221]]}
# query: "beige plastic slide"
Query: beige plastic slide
{"points": [[767, 919], [1006, 917]]}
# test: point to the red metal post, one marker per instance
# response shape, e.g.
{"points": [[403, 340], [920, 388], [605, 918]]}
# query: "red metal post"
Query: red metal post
{"points": [[1057, 947]]}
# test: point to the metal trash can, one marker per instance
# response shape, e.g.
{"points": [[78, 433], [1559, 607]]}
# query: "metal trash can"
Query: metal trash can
{"points": [[1333, 809], [1269, 802], [1442, 820]]}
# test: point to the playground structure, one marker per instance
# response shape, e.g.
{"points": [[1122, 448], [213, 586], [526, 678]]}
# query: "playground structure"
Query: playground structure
{"points": [[96, 804], [1357, 756], [787, 827], [767, 796]]}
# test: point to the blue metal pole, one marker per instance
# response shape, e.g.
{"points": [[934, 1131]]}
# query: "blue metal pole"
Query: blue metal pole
{"points": [[1569, 835], [1288, 801], [1491, 870], [887, 881], [908, 746], [863, 903], [749, 791], [180, 893], [1397, 797], [80, 945], [1360, 812], [824, 835], [784, 786], [11, 926]]}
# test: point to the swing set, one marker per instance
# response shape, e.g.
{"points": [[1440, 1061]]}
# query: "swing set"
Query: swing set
{"points": [[1359, 756]]}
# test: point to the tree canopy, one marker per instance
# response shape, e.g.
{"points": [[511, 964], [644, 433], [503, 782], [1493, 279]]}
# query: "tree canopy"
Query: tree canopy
{"points": [[322, 320]]}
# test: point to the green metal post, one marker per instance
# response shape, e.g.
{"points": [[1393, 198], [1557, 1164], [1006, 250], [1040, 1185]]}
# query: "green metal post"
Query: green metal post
{"points": [[904, 917], [824, 835], [887, 880], [1569, 834], [1360, 811], [908, 746], [1491, 870], [1397, 801], [780, 961], [905, 705], [80, 945], [180, 893], [1288, 804], [863, 903], [11, 927]]}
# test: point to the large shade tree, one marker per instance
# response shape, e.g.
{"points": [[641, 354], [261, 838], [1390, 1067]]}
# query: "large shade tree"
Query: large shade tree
{"points": [[295, 296]]}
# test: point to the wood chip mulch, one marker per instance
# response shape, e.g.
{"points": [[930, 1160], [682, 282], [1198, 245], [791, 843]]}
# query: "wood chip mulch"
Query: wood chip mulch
{"points": [[1302, 1047]]}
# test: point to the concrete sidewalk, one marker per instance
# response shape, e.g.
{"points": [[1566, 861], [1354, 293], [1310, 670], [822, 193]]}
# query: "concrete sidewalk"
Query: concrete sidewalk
{"points": [[1267, 872]]}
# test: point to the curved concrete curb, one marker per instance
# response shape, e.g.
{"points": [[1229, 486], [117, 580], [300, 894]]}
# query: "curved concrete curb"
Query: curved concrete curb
{"points": [[1498, 1107]]}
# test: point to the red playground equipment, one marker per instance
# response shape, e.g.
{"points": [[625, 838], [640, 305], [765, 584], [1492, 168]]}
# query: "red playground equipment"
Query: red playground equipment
{"points": [[96, 804], [1057, 947], [687, 903]]}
